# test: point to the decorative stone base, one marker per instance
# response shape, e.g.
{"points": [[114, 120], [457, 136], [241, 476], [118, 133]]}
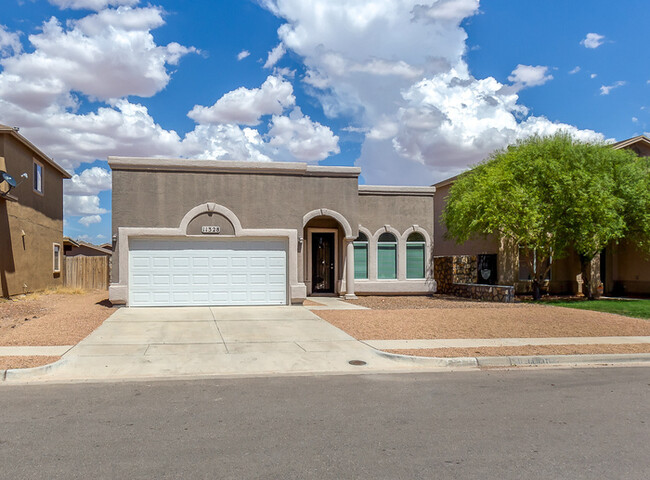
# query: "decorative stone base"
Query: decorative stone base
{"points": [[455, 276]]}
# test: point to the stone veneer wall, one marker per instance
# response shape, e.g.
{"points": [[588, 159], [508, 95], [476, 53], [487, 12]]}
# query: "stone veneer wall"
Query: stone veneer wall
{"points": [[465, 268], [449, 273]]}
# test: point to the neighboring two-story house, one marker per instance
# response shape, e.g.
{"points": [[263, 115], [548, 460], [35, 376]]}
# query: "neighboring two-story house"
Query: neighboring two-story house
{"points": [[31, 216], [622, 268]]}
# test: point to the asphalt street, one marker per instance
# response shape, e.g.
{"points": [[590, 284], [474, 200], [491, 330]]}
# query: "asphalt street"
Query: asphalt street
{"points": [[550, 424]]}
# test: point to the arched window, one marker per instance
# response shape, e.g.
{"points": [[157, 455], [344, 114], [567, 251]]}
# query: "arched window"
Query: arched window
{"points": [[361, 256], [415, 254], [387, 256]]}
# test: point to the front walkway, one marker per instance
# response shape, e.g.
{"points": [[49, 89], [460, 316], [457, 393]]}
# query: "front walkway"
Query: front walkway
{"points": [[196, 341]]}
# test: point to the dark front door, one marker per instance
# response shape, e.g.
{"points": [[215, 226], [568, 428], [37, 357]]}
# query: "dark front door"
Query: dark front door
{"points": [[487, 269], [322, 262]]}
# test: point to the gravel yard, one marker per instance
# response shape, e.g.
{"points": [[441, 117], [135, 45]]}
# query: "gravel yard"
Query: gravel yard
{"points": [[417, 302], [439, 317], [25, 362], [46, 319]]}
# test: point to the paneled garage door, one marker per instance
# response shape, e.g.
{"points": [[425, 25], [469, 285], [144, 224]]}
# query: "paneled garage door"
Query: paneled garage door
{"points": [[207, 272]]}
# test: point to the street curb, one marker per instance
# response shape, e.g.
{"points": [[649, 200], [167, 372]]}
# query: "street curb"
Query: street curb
{"points": [[27, 373], [430, 361], [602, 359], [514, 361]]}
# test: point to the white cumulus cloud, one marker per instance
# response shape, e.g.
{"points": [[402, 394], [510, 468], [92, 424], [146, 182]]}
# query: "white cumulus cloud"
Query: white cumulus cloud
{"points": [[592, 40], [90, 219], [246, 106], [424, 116], [275, 55], [9, 42], [530, 76], [91, 4], [303, 138], [243, 54], [574, 70], [605, 89]]}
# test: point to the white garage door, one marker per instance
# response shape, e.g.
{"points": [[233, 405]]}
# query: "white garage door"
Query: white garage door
{"points": [[207, 272]]}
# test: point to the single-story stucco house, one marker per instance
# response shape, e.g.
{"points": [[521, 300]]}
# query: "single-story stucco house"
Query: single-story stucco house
{"points": [[212, 232]]}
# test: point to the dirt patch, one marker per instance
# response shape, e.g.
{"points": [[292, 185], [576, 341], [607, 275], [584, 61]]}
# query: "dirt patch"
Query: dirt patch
{"points": [[417, 302], [7, 363], [522, 321], [52, 319], [527, 350]]}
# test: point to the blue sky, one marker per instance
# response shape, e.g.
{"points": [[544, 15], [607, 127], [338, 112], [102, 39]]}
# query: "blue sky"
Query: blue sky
{"points": [[412, 91]]}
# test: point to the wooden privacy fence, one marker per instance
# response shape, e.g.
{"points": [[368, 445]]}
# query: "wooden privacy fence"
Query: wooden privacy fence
{"points": [[89, 273]]}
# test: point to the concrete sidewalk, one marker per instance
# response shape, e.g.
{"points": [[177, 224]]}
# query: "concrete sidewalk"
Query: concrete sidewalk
{"points": [[195, 341], [30, 351]]}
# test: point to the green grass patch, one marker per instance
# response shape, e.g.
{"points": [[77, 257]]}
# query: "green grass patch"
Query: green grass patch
{"points": [[631, 308]]}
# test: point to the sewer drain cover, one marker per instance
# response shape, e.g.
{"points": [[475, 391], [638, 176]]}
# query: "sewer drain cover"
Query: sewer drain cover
{"points": [[357, 362]]}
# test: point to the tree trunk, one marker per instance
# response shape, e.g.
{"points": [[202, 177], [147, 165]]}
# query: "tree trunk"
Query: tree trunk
{"points": [[537, 292], [585, 270]]}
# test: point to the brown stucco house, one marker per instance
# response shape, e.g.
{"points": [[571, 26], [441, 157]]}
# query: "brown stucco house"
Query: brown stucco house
{"points": [[213, 232], [31, 216], [622, 268], [73, 248]]}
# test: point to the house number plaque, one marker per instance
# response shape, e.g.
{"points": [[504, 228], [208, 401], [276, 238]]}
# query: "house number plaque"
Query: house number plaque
{"points": [[210, 229]]}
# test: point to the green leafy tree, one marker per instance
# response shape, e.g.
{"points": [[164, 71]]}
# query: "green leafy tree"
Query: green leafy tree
{"points": [[551, 194]]}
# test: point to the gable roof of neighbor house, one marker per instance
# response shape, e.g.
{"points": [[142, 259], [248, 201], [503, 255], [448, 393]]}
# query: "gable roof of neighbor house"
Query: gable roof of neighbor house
{"points": [[618, 145], [81, 243], [67, 241], [631, 141], [14, 133]]}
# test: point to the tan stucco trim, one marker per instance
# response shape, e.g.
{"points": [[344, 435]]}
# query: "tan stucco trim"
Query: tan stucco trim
{"points": [[229, 166], [118, 292], [393, 190], [54, 257], [210, 207], [326, 212]]}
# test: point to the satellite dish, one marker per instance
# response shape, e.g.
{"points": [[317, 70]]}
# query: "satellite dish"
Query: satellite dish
{"points": [[5, 177]]}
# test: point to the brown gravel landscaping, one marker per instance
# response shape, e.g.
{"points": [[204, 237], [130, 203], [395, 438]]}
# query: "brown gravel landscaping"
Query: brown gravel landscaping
{"points": [[52, 319], [416, 302], [461, 319], [7, 363], [526, 350]]}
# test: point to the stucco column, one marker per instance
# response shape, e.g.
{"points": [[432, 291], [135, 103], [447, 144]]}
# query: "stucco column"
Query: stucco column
{"points": [[349, 270]]}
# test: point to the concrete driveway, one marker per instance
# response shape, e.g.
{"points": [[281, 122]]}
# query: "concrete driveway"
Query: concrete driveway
{"points": [[196, 341]]}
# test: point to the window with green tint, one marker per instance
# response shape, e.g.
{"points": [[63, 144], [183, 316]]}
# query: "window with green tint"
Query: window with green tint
{"points": [[415, 247], [387, 256], [361, 257]]}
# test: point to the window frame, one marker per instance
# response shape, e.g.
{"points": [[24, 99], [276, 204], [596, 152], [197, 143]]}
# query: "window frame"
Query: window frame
{"points": [[534, 252], [361, 244], [395, 245], [56, 255], [420, 244], [38, 164]]}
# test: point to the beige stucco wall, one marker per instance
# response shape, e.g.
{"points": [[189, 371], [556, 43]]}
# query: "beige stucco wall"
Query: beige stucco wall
{"points": [[149, 198], [26, 261], [399, 211], [445, 247]]}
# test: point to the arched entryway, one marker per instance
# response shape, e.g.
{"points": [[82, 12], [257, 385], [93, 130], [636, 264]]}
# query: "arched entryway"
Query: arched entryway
{"points": [[327, 237]]}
